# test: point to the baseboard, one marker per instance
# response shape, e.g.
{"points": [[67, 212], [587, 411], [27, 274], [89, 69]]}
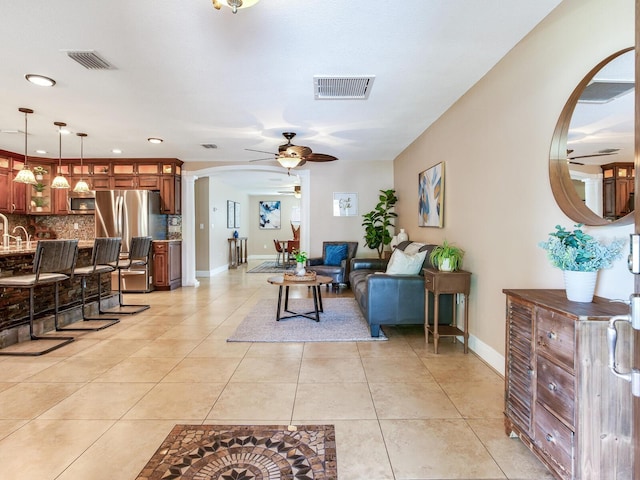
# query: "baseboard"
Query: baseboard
{"points": [[488, 354], [211, 273]]}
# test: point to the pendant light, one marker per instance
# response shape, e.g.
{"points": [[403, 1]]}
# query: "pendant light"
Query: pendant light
{"points": [[25, 175], [60, 181], [81, 186]]}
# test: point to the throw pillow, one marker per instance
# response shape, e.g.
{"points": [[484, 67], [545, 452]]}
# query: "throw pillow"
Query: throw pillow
{"points": [[402, 263], [334, 254]]}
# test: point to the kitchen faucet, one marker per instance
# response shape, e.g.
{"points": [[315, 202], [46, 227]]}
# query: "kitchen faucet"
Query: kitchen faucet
{"points": [[27, 237], [5, 231]]}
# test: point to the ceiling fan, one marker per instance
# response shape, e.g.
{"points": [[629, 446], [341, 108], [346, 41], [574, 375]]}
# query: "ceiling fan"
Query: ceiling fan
{"points": [[291, 156], [296, 192], [600, 153]]}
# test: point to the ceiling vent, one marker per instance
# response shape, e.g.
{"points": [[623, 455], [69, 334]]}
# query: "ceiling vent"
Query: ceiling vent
{"points": [[342, 88], [603, 91], [209, 146], [89, 59]]}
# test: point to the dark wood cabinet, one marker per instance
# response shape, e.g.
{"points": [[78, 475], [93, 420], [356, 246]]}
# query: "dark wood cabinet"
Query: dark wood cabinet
{"points": [[167, 264], [171, 194], [13, 196], [618, 187], [561, 399]]}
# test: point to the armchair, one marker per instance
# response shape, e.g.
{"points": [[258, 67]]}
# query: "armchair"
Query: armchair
{"points": [[335, 261]]}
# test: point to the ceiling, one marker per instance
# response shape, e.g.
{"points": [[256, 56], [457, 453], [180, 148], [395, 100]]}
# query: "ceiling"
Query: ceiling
{"points": [[193, 75]]}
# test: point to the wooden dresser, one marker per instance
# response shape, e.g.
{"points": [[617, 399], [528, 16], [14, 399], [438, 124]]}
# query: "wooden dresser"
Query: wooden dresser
{"points": [[560, 397]]}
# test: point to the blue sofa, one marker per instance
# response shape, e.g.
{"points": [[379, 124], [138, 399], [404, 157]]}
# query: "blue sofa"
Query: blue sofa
{"points": [[394, 299]]}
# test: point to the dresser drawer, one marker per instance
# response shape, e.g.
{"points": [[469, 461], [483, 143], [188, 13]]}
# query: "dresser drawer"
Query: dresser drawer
{"points": [[555, 337], [555, 389], [555, 441]]}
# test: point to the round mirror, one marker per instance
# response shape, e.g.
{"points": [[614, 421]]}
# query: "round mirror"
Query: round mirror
{"points": [[591, 164]]}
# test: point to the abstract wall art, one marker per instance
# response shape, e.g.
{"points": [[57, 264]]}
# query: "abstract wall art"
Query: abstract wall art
{"points": [[270, 215], [431, 197]]}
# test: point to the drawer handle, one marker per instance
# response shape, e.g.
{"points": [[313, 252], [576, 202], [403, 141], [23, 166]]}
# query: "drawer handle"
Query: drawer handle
{"points": [[552, 335], [549, 438], [553, 387]]}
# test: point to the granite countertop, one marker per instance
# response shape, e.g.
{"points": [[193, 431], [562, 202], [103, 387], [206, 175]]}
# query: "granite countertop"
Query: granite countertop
{"points": [[13, 251]]}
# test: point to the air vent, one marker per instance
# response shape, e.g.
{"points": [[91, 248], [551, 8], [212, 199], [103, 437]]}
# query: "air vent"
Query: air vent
{"points": [[89, 59], [209, 145], [604, 91], [342, 88]]}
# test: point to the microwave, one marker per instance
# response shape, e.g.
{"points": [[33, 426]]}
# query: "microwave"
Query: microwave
{"points": [[82, 202]]}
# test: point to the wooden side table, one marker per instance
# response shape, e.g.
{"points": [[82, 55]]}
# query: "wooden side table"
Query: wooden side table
{"points": [[237, 251], [446, 282]]}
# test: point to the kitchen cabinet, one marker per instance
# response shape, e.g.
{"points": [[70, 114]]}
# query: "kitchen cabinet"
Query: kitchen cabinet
{"points": [[561, 399], [13, 196], [617, 189], [167, 264], [171, 194]]}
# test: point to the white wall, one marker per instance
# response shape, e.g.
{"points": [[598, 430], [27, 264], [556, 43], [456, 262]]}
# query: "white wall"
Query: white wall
{"points": [[495, 144]]}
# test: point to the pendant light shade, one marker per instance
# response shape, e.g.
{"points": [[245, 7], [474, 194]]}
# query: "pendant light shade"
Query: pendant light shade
{"points": [[81, 186], [25, 175], [60, 181]]}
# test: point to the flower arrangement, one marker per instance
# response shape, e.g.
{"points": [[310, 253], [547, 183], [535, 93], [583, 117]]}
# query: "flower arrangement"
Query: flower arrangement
{"points": [[300, 257], [580, 252], [39, 170]]}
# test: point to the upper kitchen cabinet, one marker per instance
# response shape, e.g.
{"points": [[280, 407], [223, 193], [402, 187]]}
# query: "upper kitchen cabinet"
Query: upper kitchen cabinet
{"points": [[171, 187], [13, 196]]}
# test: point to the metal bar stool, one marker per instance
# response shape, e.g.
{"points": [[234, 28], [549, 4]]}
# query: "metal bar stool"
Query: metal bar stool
{"points": [[104, 259], [139, 253], [54, 261]]}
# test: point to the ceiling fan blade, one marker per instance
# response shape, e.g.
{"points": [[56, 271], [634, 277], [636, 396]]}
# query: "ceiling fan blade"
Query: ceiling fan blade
{"points": [[594, 155], [575, 163], [320, 157], [259, 151], [261, 159]]}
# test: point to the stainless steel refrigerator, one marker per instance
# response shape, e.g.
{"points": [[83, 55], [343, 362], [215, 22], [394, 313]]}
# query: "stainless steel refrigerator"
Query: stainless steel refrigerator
{"points": [[127, 214]]}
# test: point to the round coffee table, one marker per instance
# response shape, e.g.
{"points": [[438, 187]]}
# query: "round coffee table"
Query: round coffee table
{"points": [[315, 288]]}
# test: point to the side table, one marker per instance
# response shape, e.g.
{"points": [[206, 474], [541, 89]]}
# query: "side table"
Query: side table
{"points": [[237, 251], [446, 282]]}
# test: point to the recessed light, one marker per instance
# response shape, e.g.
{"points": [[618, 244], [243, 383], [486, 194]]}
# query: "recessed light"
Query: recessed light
{"points": [[116, 150], [154, 140], [40, 80], [41, 152]]}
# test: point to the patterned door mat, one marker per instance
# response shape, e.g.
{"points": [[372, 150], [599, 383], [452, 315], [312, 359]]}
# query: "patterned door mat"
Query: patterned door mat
{"points": [[245, 452]]}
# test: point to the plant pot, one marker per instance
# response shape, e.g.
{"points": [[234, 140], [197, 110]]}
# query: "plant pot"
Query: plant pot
{"points": [[38, 194], [38, 209], [39, 176], [580, 286], [445, 265], [300, 271]]}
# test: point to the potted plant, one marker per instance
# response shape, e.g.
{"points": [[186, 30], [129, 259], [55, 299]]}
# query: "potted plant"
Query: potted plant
{"points": [[39, 188], [301, 258], [378, 221], [39, 172], [39, 202], [580, 256], [447, 257]]}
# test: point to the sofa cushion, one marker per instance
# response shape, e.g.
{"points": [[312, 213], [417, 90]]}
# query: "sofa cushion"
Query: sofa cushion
{"points": [[334, 254], [402, 263]]}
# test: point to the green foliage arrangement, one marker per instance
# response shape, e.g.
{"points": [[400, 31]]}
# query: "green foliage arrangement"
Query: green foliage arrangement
{"points": [[377, 222], [580, 252], [447, 251], [301, 257], [39, 187]]}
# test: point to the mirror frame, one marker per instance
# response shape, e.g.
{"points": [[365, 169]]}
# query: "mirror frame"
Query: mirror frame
{"points": [[559, 177]]}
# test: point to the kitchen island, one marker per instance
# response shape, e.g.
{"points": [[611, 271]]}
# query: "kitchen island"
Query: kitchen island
{"points": [[14, 303]]}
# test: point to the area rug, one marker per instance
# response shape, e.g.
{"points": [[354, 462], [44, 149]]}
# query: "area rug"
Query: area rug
{"points": [[245, 452], [341, 321], [270, 267]]}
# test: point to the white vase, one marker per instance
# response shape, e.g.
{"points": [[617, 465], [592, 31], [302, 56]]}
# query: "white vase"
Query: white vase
{"points": [[402, 236], [580, 286], [300, 271]]}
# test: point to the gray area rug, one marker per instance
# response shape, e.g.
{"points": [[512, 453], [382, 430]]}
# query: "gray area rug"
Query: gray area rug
{"points": [[340, 322], [270, 267]]}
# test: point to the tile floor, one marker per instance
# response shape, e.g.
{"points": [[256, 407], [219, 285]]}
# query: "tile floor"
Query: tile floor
{"points": [[99, 407]]}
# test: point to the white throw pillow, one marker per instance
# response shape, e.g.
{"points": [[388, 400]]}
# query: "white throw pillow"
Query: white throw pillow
{"points": [[402, 263]]}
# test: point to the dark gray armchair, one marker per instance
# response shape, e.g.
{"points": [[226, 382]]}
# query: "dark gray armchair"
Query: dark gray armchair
{"points": [[335, 261]]}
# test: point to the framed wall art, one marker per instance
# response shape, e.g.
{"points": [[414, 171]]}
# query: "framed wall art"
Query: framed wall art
{"points": [[269, 215], [236, 216], [231, 213], [345, 204], [431, 197]]}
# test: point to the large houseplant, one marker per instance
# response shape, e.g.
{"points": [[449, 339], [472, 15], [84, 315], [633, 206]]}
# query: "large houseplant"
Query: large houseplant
{"points": [[447, 257], [377, 222], [580, 256]]}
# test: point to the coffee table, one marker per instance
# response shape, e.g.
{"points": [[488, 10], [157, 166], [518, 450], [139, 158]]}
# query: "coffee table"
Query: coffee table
{"points": [[315, 288]]}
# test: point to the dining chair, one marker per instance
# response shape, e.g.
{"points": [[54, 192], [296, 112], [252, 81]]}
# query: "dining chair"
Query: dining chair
{"points": [[278, 246], [54, 261]]}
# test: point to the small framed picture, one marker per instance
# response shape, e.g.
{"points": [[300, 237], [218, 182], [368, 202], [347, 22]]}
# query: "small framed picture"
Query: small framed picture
{"points": [[236, 216], [345, 204], [231, 214]]}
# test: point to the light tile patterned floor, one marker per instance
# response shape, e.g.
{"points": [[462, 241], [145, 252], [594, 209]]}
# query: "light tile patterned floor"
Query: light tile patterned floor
{"points": [[100, 407]]}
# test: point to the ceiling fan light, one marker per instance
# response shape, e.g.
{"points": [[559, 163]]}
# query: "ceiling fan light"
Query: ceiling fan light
{"points": [[235, 5], [289, 162]]}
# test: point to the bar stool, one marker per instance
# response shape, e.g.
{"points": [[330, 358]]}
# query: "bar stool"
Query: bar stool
{"points": [[138, 256], [104, 259], [53, 262]]}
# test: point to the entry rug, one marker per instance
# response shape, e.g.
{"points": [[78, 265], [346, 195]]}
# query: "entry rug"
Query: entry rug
{"points": [[245, 452], [341, 321]]}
